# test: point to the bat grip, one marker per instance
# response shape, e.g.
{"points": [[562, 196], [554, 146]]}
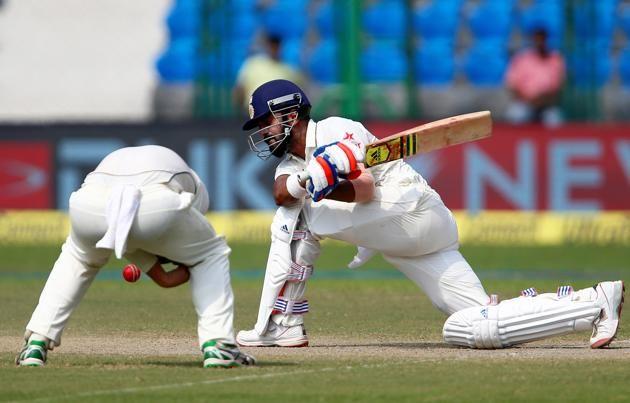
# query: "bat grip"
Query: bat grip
{"points": [[303, 178]]}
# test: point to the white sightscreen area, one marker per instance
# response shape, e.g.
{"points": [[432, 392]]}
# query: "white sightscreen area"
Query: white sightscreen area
{"points": [[79, 60]]}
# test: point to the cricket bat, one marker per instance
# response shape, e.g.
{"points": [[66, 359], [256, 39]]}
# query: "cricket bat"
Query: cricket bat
{"points": [[426, 138], [429, 137]]}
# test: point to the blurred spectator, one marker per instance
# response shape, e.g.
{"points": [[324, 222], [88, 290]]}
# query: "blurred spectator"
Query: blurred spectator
{"points": [[263, 67], [535, 77]]}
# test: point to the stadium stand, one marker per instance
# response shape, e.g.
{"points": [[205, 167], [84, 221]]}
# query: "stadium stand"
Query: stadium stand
{"points": [[183, 19], [392, 11], [324, 20], [500, 13], [438, 19], [604, 22], [624, 67], [178, 62], [374, 70], [547, 14], [322, 62], [485, 62], [434, 63], [590, 65], [287, 19], [452, 44]]}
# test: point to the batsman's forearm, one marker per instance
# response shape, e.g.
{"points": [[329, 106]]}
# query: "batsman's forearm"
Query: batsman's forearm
{"points": [[358, 190], [363, 187], [344, 192], [281, 195]]}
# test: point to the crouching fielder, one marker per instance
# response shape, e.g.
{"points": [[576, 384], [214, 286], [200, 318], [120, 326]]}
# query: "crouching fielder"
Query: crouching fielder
{"points": [[388, 209], [146, 204]]}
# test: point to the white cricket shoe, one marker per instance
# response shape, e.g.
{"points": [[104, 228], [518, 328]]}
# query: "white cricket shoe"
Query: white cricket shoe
{"points": [[275, 336], [610, 297]]}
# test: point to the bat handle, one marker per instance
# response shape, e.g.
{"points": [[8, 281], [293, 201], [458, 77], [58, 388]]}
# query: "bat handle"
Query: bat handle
{"points": [[303, 178]]}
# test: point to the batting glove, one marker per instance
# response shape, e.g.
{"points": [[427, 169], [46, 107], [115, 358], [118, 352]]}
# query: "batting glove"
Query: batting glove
{"points": [[345, 155], [323, 177]]}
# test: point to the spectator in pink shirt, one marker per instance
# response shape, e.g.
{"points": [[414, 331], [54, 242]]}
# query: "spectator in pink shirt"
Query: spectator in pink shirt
{"points": [[535, 77]]}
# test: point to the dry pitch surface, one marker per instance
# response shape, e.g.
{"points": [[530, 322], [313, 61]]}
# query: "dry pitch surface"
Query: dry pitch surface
{"points": [[328, 348]]}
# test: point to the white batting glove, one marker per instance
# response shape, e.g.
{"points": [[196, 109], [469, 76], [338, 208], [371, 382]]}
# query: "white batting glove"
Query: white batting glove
{"points": [[323, 177], [345, 155], [362, 256]]}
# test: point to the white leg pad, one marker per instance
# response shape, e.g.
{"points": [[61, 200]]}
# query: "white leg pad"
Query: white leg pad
{"points": [[519, 320], [288, 267], [304, 252]]}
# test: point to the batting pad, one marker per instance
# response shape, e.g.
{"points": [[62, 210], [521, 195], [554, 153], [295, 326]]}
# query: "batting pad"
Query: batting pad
{"points": [[304, 251], [519, 320], [290, 263]]}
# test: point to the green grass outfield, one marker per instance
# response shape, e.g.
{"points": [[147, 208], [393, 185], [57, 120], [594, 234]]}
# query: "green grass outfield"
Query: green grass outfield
{"points": [[374, 336]]}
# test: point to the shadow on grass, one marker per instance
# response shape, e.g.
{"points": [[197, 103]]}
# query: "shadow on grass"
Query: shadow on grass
{"points": [[416, 345], [176, 363], [573, 347], [444, 346], [199, 364]]}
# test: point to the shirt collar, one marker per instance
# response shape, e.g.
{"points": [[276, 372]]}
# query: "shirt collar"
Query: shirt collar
{"points": [[311, 139]]}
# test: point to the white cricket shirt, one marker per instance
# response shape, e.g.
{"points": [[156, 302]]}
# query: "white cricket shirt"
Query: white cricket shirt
{"points": [[145, 165], [396, 173], [398, 187]]}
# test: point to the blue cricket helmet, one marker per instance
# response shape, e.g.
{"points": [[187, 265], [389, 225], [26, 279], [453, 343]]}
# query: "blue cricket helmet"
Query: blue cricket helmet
{"points": [[273, 96]]}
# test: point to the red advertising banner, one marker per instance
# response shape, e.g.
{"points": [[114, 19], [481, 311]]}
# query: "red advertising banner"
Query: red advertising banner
{"points": [[583, 167], [25, 175], [575, 167]]}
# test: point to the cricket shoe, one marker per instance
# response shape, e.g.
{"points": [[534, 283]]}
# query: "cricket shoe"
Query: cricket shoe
{"points": [[275, 336], [610, 297], [224, 355], [33, 354]]}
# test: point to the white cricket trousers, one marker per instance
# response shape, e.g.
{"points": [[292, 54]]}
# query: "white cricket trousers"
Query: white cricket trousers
{"points": [[168, 224], [418, 237]]}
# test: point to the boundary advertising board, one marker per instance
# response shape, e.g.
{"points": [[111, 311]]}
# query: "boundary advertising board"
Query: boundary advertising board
{"points": [[573, 168]]}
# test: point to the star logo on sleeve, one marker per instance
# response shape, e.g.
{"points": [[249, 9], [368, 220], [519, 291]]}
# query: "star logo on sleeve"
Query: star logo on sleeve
{"points": [[349, 136]]}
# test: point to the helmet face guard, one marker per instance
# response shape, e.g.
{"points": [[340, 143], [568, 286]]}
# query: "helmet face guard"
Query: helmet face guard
{"points": [[264, 144]]}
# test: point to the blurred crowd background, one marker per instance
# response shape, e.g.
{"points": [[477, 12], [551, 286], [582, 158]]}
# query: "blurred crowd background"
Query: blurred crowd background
{"points": [[79, 79], [383, 59], [397, 58]]}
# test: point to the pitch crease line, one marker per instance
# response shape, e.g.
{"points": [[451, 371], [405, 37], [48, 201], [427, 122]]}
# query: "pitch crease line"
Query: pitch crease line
{"points": [[189, 384]]}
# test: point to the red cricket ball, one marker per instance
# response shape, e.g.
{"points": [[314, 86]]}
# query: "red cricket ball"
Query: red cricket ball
{"points": [[131, 273]]}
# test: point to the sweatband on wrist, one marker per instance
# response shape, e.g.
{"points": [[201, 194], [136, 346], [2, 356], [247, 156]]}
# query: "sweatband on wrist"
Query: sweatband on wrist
{"points": [[293, 186]]}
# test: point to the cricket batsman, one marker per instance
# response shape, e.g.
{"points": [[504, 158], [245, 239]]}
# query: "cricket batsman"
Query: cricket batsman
{"points": [[144, 204], [324, 191]]}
